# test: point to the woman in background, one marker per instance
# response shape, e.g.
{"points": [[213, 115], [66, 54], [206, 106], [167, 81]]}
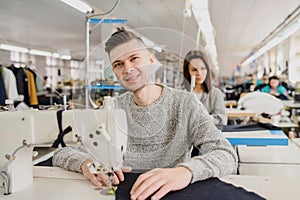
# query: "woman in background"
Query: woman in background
{"points": [[196, 64], [275, 88]]}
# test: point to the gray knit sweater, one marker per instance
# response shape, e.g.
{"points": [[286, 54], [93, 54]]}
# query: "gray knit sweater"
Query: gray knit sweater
{"points": [[162, 134], [213, 101]]}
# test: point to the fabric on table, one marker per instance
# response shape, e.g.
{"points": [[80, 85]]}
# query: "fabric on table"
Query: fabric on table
{"points": [[251, 127], [47, 163], [211, 189]]}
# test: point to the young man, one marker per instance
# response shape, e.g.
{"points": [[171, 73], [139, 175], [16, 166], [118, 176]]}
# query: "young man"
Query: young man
{"points": [[163, 125]]}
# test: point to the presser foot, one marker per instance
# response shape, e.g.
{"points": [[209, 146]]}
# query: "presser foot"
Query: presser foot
{"points": [[109, 191]]}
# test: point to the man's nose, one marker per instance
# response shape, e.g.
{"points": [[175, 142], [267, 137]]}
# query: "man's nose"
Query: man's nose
{"points": [[128, 67]]}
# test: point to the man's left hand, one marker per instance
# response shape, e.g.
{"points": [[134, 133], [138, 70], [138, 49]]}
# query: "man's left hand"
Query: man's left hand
{"points": [[159, 182]]}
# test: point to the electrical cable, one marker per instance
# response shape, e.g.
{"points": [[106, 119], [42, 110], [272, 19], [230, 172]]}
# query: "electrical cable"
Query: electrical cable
{"points": [[108, 12], [103, 14], [181, 40]]}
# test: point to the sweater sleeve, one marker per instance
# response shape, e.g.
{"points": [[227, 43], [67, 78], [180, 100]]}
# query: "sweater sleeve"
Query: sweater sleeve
{"points": [[70, 158], [281, 89], [217, 157], [218, 108]]}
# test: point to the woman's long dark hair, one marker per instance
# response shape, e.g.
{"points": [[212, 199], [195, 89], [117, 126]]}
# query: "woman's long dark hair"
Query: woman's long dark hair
{"points": [[207, 84]]}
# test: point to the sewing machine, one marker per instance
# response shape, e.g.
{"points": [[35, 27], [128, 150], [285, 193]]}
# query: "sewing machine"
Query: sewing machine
{"points": [[267, 108], [103, 133]]}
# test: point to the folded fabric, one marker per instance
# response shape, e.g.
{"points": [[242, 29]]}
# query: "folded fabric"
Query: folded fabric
{"points": [[251, 127], [212, 188], [47, 163]]}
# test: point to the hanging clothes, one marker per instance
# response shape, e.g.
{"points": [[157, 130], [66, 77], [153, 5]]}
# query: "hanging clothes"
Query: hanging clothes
{"points": [[2, 89], [22, 82], [34, 76], [33, 100], [10, 85]]}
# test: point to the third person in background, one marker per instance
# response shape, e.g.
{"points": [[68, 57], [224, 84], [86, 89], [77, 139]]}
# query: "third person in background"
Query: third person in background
{"points": [[275, 88], [196, 64]]}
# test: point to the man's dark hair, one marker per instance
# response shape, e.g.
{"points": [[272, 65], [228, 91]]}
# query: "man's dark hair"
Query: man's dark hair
{"points": [[119, 37]]}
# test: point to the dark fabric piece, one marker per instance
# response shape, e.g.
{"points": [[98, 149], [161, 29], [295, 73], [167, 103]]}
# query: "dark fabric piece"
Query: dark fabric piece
{"points": [[235, 128], [47, 163], [297, 98], [195, 151], [209, 189], [251, 127], [2, 91], [282, 97], [62, 133], [268, 126]]}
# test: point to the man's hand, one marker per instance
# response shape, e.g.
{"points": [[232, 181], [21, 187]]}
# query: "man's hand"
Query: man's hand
{"points": [[161, 181], [119, 176], [102, 178]]}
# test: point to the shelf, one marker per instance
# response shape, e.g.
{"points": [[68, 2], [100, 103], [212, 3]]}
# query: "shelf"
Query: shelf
{"points": [[114, 87], [108, 21]]}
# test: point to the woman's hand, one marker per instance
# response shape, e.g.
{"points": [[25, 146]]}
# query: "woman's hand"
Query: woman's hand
{"points": [[275, 93], [101, 179], [159, 182]]}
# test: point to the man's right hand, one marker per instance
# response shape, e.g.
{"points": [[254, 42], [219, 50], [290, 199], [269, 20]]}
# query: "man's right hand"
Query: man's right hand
{"points": [[101, 179]]}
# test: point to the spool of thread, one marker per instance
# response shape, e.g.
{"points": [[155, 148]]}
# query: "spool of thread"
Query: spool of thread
{"points": [[193, 82], [65, 101]]}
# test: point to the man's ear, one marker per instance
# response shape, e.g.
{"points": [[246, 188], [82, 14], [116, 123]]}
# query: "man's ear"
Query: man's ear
{"points": [[151, 58]]}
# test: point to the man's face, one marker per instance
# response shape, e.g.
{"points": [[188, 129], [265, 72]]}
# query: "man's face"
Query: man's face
{"points": [[130, 62]]}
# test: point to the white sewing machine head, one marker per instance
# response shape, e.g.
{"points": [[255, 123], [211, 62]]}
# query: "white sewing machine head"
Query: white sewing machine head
{"points": [[103, 132]]}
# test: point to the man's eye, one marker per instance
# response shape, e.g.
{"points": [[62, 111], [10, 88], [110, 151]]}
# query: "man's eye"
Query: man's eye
{"points": [[134, 58], [117, 65]]}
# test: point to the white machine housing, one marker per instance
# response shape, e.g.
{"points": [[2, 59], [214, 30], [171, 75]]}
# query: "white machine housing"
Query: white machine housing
{"points": [[39, 128]]}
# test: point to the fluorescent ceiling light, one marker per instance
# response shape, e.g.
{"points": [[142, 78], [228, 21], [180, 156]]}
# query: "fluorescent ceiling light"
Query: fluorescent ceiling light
{"points": [[13, 48], [291, 29], [268, 46], [39, 52], [33, 51], [262, 50], [284, 34], [275, 41], [65, 57], [201, 13], [79, 5]]}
